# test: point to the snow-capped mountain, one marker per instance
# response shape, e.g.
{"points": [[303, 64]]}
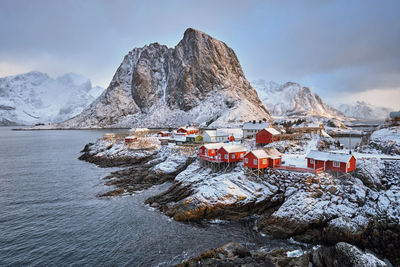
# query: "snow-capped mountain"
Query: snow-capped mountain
{"points": [[198, 81], [34, 97], [364, 111], [292, 99]]}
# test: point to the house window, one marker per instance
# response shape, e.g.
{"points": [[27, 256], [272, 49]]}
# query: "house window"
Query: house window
{"points": [[255, 162], [264, 161], [226, 156], [336, 164], [348, 165], [233, 156], [246, 160], [241, 155], [312, 161]]}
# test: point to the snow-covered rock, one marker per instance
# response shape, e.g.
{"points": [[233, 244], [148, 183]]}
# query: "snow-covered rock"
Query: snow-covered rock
{"points": [[199, 81], [34, 97], [364, 111], [384, 140], [292, 99]]}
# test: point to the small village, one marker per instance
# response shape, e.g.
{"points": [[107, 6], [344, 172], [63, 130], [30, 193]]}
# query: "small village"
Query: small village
{"points": [[250, 147]]}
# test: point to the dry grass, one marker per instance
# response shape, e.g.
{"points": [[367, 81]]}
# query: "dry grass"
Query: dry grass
{"points": [[143, 143], [186, 150]]}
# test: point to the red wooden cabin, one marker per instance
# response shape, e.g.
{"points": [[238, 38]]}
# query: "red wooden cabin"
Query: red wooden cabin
{"points": [[274, 157], [209, 151], [339, 162], [188, 130], [231, 153], [163, 134], [260, 159], [266, 136], [256, 159], [130, 139]]}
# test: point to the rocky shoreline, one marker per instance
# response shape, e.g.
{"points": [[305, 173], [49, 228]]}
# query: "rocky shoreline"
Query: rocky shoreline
{"points": [[233, 254], [325, 209]]}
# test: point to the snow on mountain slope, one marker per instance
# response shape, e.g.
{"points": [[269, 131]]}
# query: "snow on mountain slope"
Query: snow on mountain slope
{"points": [[198, 81], [291, 99], [34, 97], [364, 111]]}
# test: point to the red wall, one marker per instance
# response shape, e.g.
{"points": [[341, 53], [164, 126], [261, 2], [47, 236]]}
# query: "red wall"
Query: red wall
{"points": [[342, 168], [274, 162], [181, 130], [202, 150], [251, 164], [163, 134], [318, 164], [223, 152], [211, 152], [352, 166], [265, 137]]}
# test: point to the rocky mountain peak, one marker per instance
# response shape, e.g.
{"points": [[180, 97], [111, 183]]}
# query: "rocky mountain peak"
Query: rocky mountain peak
{"points": [[292, 99], [200, 81]]}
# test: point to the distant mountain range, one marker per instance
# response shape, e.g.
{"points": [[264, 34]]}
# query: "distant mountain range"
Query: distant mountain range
{"points": [[292, 99], [364, 111], [34, 97], [199, 81]]}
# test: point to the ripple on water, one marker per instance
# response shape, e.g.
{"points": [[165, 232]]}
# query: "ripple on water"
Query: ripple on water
{"points": [[51, 215]]}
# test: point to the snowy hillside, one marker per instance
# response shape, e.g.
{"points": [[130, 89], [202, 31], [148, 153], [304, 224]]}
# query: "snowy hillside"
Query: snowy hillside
{"points": [[198, 81], [291, 99], [364, 111], [34, 97]]}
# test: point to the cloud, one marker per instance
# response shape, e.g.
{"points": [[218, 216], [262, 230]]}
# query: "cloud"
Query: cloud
{"points": [[330, 46]]}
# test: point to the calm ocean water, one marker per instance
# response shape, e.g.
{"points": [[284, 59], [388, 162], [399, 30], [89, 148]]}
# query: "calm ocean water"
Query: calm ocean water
{"points": [[50, 215]]}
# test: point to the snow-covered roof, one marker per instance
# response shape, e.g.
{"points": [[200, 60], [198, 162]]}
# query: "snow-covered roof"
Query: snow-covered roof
{"points": [[236, 132], [211, 133], [325, 156], [272, 131], [234, 148], [222, 133], [192, 135], [259, 153], [213, 146], [130, 137], [272, 152], [255, 126], [164, 132]]}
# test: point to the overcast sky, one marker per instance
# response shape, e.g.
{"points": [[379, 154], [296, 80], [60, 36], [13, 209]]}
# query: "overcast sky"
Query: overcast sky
{"points": [[343, 50]]}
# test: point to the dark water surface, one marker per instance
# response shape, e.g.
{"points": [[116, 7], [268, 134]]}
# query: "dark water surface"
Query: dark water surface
{"points": [[50, 215]]}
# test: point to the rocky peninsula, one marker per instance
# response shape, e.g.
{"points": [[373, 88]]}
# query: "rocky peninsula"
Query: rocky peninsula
{"points": [[360, 209]]}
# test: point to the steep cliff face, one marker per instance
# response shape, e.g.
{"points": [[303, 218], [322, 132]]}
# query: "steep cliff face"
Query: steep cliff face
{"points": [[199, 81], [292, 99]]}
